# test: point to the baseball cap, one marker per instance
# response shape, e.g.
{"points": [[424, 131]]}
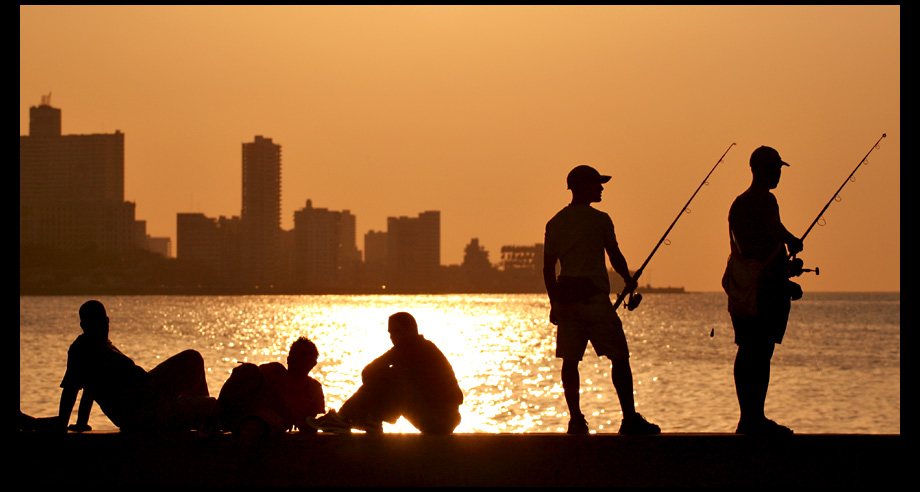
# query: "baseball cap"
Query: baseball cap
{"points": [[584, 175], [764, 155]]}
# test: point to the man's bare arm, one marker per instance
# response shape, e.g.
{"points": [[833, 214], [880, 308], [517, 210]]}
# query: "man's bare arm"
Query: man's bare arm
{"points": [[549, 275], [86, 406], [549, 279], [68, 399], [618, 262]]}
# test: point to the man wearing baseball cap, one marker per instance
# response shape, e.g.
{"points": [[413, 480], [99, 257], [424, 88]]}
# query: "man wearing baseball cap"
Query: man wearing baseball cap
{"points": [[759, 290], [579, 237]]}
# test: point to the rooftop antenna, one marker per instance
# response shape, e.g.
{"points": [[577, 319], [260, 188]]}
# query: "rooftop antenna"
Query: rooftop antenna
{"points": [[46, 100]]}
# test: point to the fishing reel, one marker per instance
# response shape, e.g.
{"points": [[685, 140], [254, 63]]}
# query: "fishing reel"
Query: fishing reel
{"points": [[795, 268], [632, 302]]}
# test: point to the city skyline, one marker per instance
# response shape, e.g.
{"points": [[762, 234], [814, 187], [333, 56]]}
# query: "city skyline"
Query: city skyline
{"points": [[479, 112]]}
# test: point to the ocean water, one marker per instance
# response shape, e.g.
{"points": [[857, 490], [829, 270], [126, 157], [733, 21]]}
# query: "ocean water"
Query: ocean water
{"points": [[837, 371]]}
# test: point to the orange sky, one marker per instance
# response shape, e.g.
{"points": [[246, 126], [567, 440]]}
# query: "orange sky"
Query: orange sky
{"points": [[480, 111]]}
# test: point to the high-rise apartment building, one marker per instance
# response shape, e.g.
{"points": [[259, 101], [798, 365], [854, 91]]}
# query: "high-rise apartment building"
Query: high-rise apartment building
{"points": [[413, 252], [375, 248], [260, 220], [325, 253], [213, 243], [198, 239], [71, 188], [373, 269]]}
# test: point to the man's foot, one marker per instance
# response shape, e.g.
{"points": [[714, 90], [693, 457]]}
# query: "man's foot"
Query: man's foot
{"points": [[331, 422], [638, 425], [577, 425], [765, 427]]}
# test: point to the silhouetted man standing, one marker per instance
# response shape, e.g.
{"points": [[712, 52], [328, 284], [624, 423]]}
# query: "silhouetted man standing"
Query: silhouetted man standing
{"points": [[578, 237], [758, 287], [413, 380], [172, 396]]}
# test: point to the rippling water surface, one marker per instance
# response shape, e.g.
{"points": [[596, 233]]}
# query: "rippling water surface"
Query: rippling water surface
{"points": [[837, 371]]}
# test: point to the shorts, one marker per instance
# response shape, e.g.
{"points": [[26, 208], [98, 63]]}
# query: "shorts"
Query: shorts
{"points": [[593, 320]]}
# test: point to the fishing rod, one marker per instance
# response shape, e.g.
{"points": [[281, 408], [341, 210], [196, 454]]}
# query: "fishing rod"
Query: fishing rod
{"points": [[634, 297], [795, 264]]}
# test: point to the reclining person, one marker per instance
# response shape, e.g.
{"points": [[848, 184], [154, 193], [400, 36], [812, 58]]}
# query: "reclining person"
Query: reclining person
{"points": [[172, 396], [269, 399], [413, 380]]}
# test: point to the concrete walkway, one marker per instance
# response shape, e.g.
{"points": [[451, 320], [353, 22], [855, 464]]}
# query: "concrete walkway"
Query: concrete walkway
{"points": [[114, 459]]}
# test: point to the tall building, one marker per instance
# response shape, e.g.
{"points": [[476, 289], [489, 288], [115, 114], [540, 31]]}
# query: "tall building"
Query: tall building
{"points": [[198, 240], [71, 189], [160, 245], [209, 242], [260, 220], [373, 269], [44, 121], [325, 253], [375, 248], [413, 252]]}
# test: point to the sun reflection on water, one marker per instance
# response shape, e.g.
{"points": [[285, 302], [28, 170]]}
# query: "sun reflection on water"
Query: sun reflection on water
{"points": [[501, 348], [504, 370]]}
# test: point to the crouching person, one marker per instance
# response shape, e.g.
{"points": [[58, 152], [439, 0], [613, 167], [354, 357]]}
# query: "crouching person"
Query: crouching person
{"points": [[412, 380]]}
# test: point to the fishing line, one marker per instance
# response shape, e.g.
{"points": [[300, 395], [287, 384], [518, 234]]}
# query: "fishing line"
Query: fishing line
{"points": [[795, 264], [864, 161], [634, 297]]}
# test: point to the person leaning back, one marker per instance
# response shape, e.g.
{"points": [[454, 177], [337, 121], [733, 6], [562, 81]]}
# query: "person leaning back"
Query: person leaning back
{"points": [[172, 396]]}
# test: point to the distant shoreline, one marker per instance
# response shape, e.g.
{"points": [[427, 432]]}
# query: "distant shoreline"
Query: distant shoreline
{"points": [[284, 292], [230, 291]]}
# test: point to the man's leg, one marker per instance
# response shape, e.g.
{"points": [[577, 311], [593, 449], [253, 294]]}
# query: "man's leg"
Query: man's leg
{"points": [[181, 379], [381, 399], [621, 374], [633, 422], [571, 386], [181, 375], [752, 379], [238, 398]]}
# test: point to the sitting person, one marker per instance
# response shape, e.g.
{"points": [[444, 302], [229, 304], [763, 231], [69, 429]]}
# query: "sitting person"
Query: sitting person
{"points": [[270, 399], [172, 396], [413, 380]]}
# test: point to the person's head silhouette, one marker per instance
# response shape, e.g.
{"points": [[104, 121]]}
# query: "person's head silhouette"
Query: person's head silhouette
{"points": [[402, 328], [94, 321], [586, 184], [766, 167], [303, 356]]}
